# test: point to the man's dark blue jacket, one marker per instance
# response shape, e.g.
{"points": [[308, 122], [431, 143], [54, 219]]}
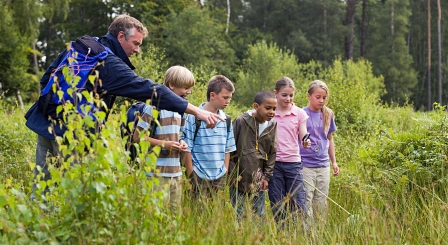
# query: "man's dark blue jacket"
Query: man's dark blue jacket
{"points": [[118, 79]]}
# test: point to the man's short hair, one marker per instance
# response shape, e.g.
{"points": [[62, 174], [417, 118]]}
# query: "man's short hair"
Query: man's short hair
{"points": [[127, 24], [217, 83], [261, 96], [178, 76]]}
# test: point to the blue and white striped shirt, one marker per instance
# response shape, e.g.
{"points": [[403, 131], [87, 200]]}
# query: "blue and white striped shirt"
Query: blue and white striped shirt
{"points": [[209, 149]]}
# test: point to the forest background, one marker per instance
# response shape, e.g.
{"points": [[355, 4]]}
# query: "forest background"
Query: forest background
{"points": [[393, 186], [403, 39]]}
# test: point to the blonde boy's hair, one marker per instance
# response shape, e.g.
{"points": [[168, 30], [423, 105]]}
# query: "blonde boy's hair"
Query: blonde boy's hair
{"points": [[178, 76]]}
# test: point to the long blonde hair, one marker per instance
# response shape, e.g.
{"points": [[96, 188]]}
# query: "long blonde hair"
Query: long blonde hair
{"points": [[326, 112]]}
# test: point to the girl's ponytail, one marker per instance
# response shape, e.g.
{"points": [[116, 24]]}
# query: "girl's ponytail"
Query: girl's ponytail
{"points": [[327, 115]]}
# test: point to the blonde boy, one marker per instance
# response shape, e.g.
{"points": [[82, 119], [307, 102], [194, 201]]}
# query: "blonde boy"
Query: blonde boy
{"points": [[168, 169]]}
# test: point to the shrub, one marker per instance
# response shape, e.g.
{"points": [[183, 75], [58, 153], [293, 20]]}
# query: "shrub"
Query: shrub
{"points": [[415, 158], [149, 64], [262, 67]]}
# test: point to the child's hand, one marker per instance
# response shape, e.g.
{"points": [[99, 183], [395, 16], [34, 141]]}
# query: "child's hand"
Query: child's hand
{"points": [[172, 145], [183, 145], [264, 185], [335, 169], [306, 144], [210, 125]]}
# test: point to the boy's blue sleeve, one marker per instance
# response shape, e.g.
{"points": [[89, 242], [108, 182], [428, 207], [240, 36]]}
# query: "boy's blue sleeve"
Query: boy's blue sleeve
{"points": [[146, 118], [188, 131], [230, 142]]}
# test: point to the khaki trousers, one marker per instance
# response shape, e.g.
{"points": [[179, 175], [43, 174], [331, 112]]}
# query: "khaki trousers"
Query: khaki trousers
{"points": [[316, 203], [172, 189]]}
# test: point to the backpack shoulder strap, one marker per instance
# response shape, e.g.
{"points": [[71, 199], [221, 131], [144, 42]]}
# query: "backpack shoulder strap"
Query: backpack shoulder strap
{"points": [[198, 125], [136, 107], [154, 125], [139, 107], [87, 44], [228, 122]]}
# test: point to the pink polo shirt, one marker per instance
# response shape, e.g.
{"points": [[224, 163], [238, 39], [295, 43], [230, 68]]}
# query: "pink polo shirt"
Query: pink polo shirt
{"points": [[288, 134]]}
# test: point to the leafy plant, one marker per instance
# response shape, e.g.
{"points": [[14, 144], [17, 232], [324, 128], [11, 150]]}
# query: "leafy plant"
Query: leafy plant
{"points": [[263, 66], [392, 180]]}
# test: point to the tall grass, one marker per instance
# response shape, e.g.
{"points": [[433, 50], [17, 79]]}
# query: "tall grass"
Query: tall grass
{"points": [[17, 145], [393, 179], [105, 201]]}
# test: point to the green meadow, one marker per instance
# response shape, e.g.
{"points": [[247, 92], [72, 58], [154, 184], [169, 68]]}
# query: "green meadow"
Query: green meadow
{"points": [[392, 189]]}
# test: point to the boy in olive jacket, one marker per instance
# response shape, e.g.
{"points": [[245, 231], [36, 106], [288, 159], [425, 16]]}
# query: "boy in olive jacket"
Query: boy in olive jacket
{"points": [[252, 164]]}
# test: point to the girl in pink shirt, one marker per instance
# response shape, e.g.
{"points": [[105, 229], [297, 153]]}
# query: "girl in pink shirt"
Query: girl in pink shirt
{"points": [[287, 179]]}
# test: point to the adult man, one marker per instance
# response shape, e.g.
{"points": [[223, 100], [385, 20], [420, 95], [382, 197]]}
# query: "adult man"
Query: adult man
{"points": [[124, 37]]}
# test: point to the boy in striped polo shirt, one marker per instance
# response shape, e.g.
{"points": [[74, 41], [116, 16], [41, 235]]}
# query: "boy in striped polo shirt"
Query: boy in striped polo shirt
{"points": [[180, 80], [208, 154]]}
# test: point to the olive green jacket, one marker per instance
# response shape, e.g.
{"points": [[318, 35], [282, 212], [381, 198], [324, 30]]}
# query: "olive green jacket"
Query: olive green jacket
{"points": [[249, 163]]}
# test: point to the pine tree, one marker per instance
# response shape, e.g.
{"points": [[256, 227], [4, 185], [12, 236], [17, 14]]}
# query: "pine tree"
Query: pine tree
{"points": [[388, 51]]}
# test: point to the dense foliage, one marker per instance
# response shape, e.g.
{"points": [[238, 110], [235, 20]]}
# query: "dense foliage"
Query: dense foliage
{"points": [[371, 53], [393, 181], [399, 38]]}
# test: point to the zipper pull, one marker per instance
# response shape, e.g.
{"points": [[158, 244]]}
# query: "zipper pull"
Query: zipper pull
{"points": [[256, 145], [87, 55], [266, 157]]}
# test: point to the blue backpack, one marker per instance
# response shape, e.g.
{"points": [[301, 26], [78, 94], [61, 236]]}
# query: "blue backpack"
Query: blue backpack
{"points": [[132, 115], [72, 77]]}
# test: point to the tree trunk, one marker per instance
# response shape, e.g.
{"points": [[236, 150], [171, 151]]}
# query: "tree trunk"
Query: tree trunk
{"points": [[439, 51], [429, 104], [265, 15], [325, 21], [325, 36], [36, 65], [363, 28], [47, 49], [228, 16], [349, 22], [392, 50], [20, 101]]}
